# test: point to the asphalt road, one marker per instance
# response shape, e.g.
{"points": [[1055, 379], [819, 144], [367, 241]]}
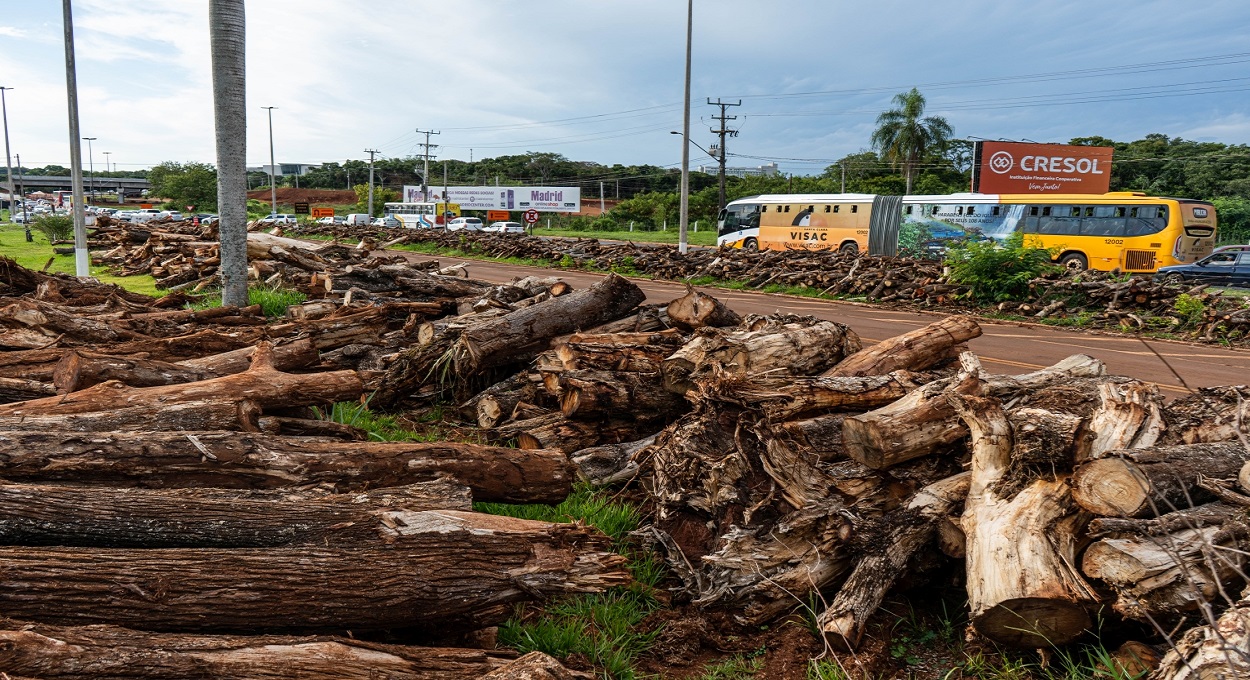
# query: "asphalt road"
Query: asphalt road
{"points": [[1003, 347]]}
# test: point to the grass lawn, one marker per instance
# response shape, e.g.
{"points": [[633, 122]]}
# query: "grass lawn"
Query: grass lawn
{"points": [[34, 255], [703, 237]]}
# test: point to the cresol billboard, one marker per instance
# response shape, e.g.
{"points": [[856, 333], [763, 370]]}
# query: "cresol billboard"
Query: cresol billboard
{"points": [[1024, 168], [542, 199]]}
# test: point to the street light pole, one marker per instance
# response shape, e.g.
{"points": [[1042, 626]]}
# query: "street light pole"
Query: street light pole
{"points": [[685, 139], [273, 168], [81, 258], [8, 174], [91, 166]]}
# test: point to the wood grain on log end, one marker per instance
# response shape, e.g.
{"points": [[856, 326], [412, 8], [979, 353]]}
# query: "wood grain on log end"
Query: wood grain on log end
{"points": [[1111, 487]]}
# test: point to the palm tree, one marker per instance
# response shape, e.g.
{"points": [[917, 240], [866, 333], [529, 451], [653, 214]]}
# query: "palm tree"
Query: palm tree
{"points": [[227, 34], [903, 137]]}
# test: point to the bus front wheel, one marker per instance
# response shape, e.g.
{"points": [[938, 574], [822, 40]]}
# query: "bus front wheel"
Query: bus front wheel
{"points": [[751, 245], [849, 248], [1075, 262]]}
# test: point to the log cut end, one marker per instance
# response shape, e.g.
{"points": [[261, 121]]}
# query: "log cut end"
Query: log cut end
{"points": [[1033, 622], [1111, 487]]}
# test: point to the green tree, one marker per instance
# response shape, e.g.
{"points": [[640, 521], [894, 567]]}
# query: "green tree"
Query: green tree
{"points": [[185, 184], [903, 136]]}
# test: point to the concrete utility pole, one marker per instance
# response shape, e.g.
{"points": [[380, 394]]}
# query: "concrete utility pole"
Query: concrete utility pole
{"points": [[21, 191], [8, 174], [684, 213], [601, 210], [371, 152], [273, 167], [81, 259], [91, 166], [723, 131], [425, 169]]}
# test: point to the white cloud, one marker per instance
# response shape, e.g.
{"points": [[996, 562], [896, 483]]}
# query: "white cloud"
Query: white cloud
{"points": [[12, 32]]}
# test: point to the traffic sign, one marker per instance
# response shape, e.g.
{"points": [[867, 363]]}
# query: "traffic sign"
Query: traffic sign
{"points": [[323, 212], [531, 216]]}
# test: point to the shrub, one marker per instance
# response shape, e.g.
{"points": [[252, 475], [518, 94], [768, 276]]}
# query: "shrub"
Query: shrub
{"points": [[997, 271], [54, 227]]}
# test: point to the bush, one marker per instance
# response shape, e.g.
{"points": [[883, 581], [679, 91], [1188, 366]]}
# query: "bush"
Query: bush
{"points": [[995, 271], [54, 227]]}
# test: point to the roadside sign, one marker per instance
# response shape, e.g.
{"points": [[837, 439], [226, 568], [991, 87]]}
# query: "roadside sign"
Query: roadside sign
{"points": [[531, 216], [301, 208], [145, 205], [323, 212], [497, 215]]}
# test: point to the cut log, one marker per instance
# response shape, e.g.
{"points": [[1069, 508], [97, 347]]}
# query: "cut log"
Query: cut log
{"points": [[1023, 587], [590, 393], [1207, 515], [1214, 414], [21, 389], [114, 406], [444, 570], [492, 405], [554, 431], [109, 517], [821, 436], [787, 398], [914, 351], [637, 352], [1212, 652], [80, 369], [257, 461], [697, 310], [1153, 481], [610, 463], [766, 346], [103, 652], [844, 621]]}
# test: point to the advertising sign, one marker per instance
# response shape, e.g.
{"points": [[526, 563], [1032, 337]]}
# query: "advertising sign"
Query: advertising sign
{"points": [[1024, 168], [301, 209], [542, 199]]}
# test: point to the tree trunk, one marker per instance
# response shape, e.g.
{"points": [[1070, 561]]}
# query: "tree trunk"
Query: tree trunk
{"points": [[104, 652], [610, 463], [228, 42], [1153, 481], [1023, 588], [787, 398], [109, 517], [1219, 652], [444, 570], [533, 666], [492, 405], [590, 393], [20, 389], [529, 330], [843, 622], [116, 406], [635, 352], [258, 461], [697, 310], [914, 351], [554, 431], [79, 369], [299, 353]]}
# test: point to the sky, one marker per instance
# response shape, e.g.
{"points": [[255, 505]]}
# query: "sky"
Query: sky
{"points": [[602, 80]]}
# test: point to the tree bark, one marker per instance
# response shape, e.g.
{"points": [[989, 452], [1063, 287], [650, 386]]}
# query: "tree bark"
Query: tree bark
{"points": [[1156, 480], [914, 351], [104, 652], [444, 570], [1023, 588], [591, 393], [299, 353], [636, 352], [1219, 652], [533, 666], [843, 622], [109, 517], [787, 398], [258, 461], [610, 463], [697, 310], [821, 435], [20, 389], [80, 369]]}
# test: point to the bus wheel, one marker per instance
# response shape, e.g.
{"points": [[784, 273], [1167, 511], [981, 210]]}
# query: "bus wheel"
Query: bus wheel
{"points": [[1074, 261], [751, 245], [851, 248]]}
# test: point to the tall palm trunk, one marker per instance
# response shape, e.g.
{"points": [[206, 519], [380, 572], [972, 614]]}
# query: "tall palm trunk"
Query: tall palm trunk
{"points": [[227, 31]]}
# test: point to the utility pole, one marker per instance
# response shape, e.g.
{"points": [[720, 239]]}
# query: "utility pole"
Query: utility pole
{"points": [[82, 261], [720, 152], [8, 174], [843, 177], [425, 170], [684, 214], [371, 152], [21, 191], [601, 210], [273, 167], [91, 166]]}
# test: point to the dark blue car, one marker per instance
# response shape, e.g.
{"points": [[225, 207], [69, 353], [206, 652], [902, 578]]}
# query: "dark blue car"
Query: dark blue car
{"points": [[1225, 267]]}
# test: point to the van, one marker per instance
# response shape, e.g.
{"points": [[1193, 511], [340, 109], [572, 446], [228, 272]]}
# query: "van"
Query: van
{"points": [[357, 220]]}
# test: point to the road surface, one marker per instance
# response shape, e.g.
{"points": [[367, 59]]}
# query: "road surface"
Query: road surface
{"points": [[1004, 347]]}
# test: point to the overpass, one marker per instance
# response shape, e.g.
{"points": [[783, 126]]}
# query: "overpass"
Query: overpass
{"points": [[130, 185]]}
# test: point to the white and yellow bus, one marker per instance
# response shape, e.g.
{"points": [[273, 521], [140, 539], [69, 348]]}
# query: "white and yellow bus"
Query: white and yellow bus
{"points": [[1126, 230], [422, 215]]}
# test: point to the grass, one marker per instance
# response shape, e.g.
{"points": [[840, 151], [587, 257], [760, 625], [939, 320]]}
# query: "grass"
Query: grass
{"points": [[704, 237], [273, 301], [381, 428], [35, 255]]}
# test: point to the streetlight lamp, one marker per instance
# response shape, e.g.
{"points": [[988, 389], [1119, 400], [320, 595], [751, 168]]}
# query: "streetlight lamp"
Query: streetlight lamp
{"points": [[674, 132], [4, 108], [685, 147], [91, 166], [273, 168]]}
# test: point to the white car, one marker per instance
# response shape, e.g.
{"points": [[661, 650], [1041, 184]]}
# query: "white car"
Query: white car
{"points": [[390, 221], [173, 215], [276, 219], [337, 219], [505, 228], [465, 223]]}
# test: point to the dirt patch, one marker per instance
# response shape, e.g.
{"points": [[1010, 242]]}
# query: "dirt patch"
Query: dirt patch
{"points": [[291, 195]]}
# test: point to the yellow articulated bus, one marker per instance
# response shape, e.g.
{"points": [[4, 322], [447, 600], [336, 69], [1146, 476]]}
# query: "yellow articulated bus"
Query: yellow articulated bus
{"points": [[797, 221], [1129, 231]]}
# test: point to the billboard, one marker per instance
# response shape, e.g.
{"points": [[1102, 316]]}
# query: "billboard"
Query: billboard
{"points": [[542, 199], [1024, 168]]}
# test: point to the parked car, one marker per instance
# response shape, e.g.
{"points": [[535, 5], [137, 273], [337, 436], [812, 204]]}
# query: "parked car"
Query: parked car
{"points": [[357, 220], [205, 218], [278, 219], [144, 215], [173, 215], [505, 228], [21, 218], [1225, 267], [336, 219], [389, 221], [465, 223]]}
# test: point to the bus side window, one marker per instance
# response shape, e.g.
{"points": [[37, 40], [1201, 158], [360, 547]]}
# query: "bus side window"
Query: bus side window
{"points": [[1103, 222], [907, 210], [995, 210], [854, 208], [972, 209], [959, 210], [764, 209], [828, 208], [1045, 211], [835, 208], [787, 209]]}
